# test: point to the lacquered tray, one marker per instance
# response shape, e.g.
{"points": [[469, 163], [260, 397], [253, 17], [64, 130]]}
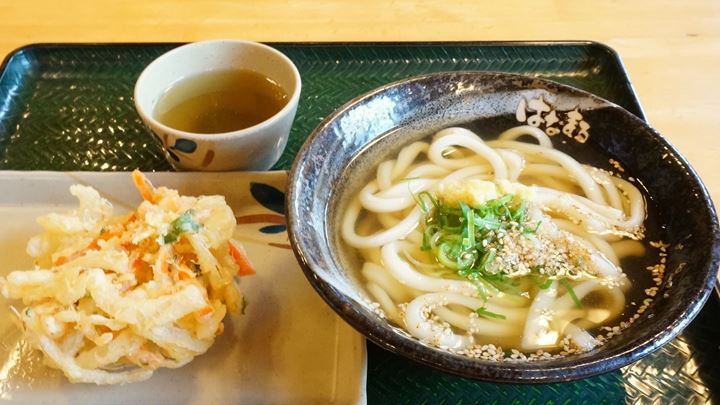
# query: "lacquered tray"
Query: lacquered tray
{"points": [[69, 107]]}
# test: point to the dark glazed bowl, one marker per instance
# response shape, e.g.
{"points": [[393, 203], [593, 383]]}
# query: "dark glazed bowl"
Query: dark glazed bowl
{"points": [[343, 150]]}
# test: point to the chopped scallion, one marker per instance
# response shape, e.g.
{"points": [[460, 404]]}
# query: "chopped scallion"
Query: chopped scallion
{"points": [[466, 238], [489, 314], [182, 224], [571, 291]]}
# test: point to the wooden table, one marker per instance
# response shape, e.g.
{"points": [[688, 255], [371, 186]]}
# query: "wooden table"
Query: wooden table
{"points": [[671, 48]]}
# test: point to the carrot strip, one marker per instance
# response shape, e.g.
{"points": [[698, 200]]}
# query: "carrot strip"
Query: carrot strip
{"points": [[131, 217], [245, 268], [64, 259], [142, 270], [93, 245], [146, 189], [165, 266], [205, 311], [60, 261]]}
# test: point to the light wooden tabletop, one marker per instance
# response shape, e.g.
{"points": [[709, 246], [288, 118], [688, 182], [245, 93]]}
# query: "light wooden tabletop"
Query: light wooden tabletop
{"points": [[671, 48]]}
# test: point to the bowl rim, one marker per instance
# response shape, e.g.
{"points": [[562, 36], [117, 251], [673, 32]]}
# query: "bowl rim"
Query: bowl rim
{"points": [[503, 372]]}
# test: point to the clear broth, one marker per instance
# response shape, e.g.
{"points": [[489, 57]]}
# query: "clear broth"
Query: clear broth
{"points": [[220, 101]]}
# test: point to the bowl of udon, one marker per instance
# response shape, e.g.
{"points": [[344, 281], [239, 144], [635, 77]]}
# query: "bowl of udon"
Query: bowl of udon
{"points": [[502, 227]]}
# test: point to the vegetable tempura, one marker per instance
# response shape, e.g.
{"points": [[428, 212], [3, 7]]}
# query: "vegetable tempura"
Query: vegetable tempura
{"points": [[112, 298]]}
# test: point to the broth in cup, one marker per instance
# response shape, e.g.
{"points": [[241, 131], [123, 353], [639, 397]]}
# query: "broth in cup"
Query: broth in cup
{"points": [[220, 101]]}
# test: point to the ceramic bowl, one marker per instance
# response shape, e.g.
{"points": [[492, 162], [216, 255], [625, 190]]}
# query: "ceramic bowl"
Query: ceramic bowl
{"points": [[254, 148], [374, 126]]}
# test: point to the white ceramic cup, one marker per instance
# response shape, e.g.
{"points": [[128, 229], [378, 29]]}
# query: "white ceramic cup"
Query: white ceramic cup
{"points": [[254, 148]]}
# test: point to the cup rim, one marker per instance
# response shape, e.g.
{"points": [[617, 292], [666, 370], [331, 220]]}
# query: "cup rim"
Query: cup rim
{"points": [[289, 106]]}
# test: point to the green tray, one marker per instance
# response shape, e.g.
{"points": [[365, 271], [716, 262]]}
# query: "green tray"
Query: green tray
{"points": [[69, 107]]}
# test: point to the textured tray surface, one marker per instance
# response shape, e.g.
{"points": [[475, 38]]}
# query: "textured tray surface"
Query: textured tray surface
{"points": [[69, 107]]}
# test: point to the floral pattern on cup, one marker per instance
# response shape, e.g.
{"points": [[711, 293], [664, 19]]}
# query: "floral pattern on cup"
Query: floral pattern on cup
{"points": [[187, 147], [182, 148], [184, 145]]}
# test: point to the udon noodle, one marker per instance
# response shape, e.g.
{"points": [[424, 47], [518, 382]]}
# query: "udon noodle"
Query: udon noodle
{"points": [[466, 242]]}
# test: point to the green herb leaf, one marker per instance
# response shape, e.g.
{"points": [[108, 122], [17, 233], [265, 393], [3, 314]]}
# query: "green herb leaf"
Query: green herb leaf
{"points": [[527, 230], [464, 239], [571, 291], [503, 283], [445, 257], [520, 213], [546, 284], [488, 221], [543, 282], [182, 224], [489, 314], [422, 199], [487, 258], [468, 235]]}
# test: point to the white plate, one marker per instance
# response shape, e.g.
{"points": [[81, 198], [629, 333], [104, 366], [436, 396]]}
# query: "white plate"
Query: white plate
{"points": [[289, 347]]}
